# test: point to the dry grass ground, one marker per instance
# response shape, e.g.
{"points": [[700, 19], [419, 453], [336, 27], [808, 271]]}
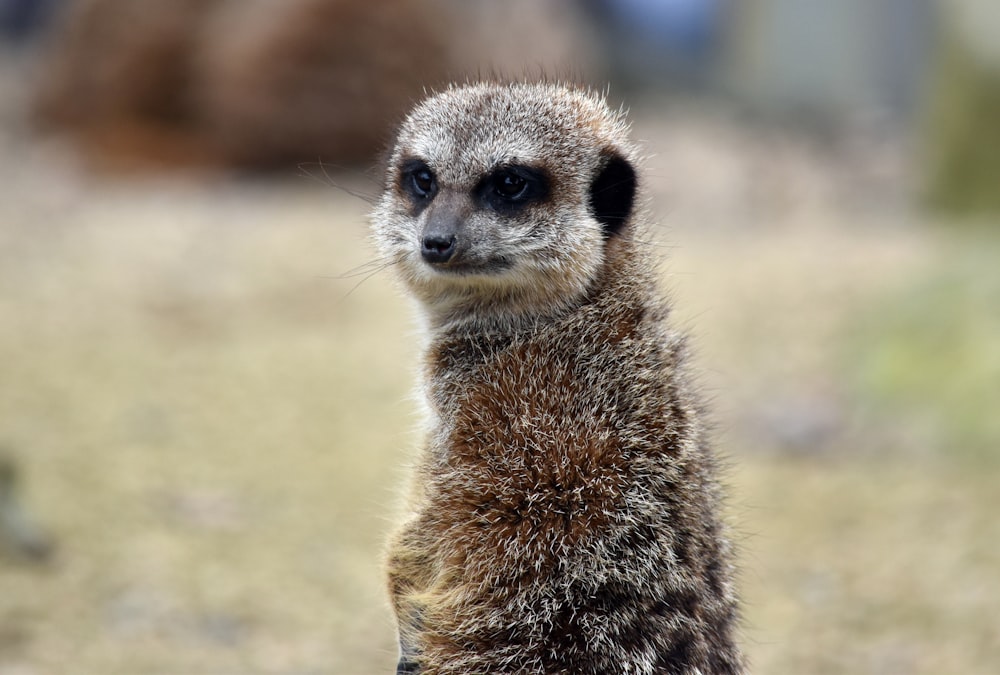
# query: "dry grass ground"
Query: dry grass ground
{"points": [[214, 427]]}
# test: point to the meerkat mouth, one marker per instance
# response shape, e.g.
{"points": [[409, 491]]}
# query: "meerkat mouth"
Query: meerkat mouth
{"points": [[489, 268]]}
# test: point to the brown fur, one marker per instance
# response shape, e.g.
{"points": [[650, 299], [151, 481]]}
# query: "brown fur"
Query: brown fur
{"points": [[565, 513]]}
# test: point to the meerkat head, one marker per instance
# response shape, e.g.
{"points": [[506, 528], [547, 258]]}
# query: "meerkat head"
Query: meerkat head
{"points": [[501, 200]]}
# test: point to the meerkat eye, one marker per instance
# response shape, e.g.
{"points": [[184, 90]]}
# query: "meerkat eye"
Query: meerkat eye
{"points": [[512, 187], [509, 185], [418, 180], [423, 182]]}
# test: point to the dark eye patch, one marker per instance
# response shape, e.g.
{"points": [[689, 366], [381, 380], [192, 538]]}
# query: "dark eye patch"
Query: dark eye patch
{"points": [[417, 181], [507, 189]]}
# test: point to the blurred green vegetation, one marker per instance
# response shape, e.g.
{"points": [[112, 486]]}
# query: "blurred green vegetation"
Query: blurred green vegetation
{"points": [[962, 133], [927, 354]]}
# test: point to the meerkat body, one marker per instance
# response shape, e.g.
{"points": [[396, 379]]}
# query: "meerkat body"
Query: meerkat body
{"points": [[564, 513]]}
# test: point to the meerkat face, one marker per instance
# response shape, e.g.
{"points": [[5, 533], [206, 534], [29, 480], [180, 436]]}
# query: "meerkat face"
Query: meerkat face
{"points": [[504, 196]]}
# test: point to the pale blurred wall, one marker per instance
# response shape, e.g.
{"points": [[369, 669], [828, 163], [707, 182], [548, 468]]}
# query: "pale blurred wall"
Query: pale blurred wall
{"points": [[829, 58]]}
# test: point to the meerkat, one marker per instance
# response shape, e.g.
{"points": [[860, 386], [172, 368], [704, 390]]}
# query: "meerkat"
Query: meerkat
{"points": [[564, 515]]}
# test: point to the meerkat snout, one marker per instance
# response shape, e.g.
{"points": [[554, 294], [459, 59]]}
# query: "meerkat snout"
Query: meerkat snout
{"points": [[437, 246], [443, 238]]}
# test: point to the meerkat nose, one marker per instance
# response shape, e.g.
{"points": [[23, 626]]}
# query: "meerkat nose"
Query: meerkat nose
{"points": [[438, 248]]}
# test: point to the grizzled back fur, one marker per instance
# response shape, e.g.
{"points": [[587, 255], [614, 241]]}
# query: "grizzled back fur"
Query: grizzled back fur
{"points": [[564, 517]]}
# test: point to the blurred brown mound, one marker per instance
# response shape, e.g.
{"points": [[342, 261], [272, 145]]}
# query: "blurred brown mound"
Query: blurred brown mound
{"points": [[283, 82], [266, 84], [258, 83], [119, 75]]}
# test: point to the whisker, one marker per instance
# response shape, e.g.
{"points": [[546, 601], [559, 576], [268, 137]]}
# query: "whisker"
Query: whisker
{"points": [[370, 266], [652, 243], [370, 275], [328, 180]]}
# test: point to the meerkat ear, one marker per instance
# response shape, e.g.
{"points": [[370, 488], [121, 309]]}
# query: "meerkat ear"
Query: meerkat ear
{"points": [[612, 194]]}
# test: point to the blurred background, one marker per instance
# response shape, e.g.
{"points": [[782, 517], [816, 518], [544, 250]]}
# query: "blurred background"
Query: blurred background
{"points": [[205, 384]]}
